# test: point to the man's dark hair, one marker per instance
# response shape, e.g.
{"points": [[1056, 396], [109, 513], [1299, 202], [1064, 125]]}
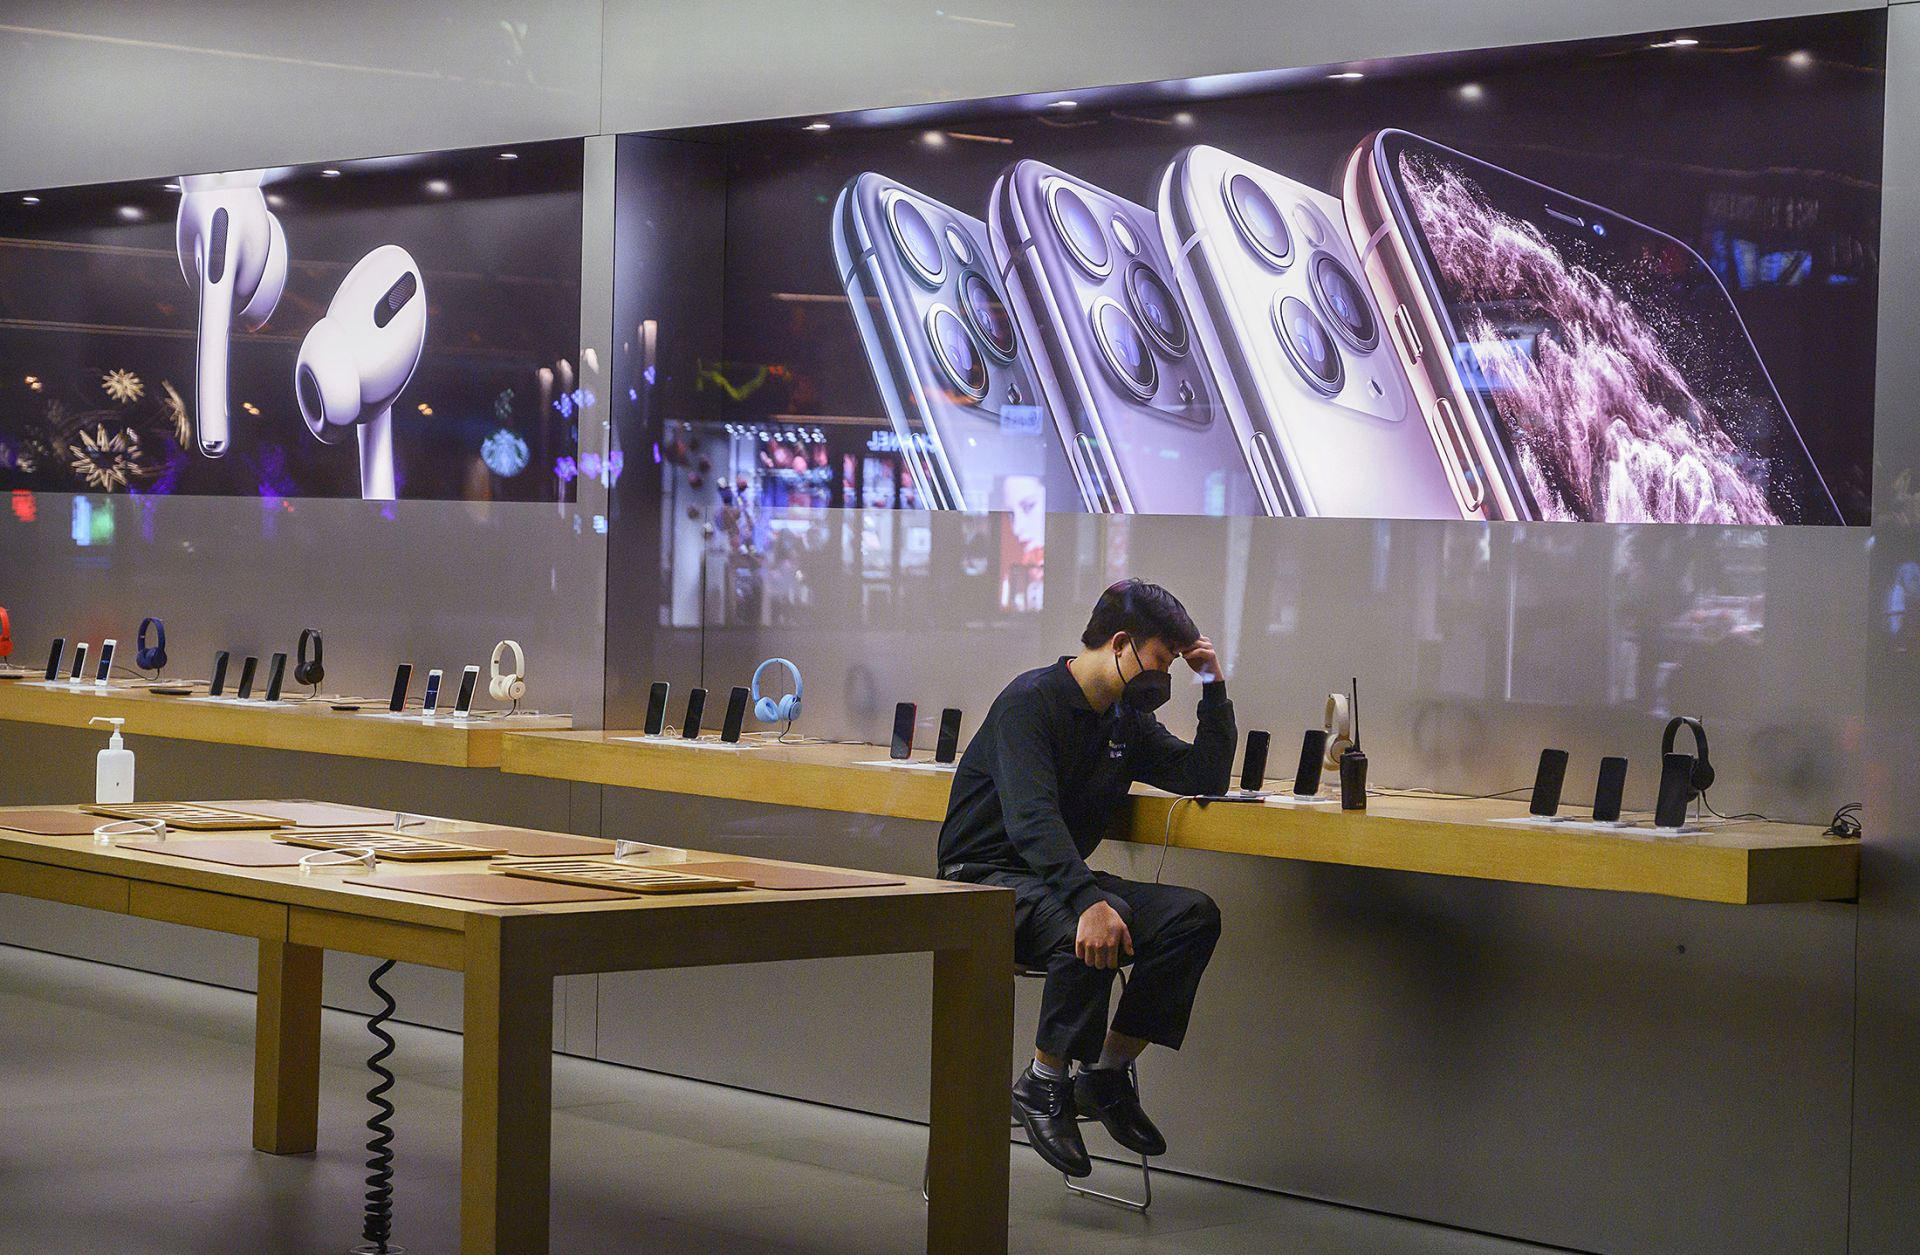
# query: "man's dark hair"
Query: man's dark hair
{"points": [[1145, 612]]}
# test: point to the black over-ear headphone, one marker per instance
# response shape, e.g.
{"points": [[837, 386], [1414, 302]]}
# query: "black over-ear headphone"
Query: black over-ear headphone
{"points": [[308, 671], [151, 657], [1702, 778]]}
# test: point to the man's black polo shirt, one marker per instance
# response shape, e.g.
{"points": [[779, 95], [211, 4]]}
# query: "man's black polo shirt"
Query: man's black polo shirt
{"points": [[1045, 774]]}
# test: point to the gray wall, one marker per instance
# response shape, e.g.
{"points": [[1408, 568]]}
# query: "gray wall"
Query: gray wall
{"points": [[1605, 1072]]}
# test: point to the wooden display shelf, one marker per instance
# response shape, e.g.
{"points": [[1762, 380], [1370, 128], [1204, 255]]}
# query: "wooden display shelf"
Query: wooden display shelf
{"points": [[817, 776], [285, 725], [1734, 863]]}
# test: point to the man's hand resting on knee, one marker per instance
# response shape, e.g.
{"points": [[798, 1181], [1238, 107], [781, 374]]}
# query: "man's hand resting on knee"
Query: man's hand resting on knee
{"points": [[1102, 939]]}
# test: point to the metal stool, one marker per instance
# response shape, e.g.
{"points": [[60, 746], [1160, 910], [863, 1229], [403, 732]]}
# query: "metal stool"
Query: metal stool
{"points": [[1138, 1205]]}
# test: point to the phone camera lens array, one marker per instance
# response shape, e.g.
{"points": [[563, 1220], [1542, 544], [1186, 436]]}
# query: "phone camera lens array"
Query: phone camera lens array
{"points": [[960, 345], [1302, 329]]}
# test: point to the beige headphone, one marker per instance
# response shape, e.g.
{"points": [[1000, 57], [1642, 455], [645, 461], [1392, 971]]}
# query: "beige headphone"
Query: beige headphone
{"points": [[1338, 722], [512, 686]]}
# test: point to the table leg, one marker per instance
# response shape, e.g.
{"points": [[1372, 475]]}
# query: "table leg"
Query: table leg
{"points": [[286, 1049], [506, 1115], [967, 1137]]}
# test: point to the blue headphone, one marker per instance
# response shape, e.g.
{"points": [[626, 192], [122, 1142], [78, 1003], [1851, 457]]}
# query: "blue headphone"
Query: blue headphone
{"points": [[151, 657], [776, 709]]}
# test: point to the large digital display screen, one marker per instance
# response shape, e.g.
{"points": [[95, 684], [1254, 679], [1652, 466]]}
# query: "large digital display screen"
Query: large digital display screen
{"points": [[1626, 280], [386, 328]]}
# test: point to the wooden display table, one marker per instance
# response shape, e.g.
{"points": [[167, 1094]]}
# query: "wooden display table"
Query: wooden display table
{"points": [[284, 725], [510, 956], [1735, 863]]}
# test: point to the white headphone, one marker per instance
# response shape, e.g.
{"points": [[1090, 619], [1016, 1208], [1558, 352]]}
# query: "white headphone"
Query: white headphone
{"points": [[234, 253], [1339, 725], [355, 362], [513, 686]]}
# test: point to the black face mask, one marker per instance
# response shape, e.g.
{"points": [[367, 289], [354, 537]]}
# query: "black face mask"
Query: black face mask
{"points": [[1148, 690]]}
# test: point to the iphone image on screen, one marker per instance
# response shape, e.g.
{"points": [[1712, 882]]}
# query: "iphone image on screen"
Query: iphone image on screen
{"points": [[1309, 368], [1092, 290], [955, 376], [1575, 363]]}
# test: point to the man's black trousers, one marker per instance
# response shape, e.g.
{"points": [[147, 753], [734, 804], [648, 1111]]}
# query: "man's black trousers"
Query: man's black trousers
{"points": [[1174, 930]]}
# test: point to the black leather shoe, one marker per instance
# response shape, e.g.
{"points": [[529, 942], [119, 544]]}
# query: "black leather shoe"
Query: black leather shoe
{"points": [[1108, 1095], [1045, 1110]]}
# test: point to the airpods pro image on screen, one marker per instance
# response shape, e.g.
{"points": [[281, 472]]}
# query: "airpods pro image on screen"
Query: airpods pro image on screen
{"points": [[357, 360], [233, 252]]}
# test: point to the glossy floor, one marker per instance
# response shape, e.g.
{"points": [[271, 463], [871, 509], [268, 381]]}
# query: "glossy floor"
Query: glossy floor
{"points": [[124, 1124]]}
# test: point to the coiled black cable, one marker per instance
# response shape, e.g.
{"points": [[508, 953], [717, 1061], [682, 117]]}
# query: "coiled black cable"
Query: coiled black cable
{"points": [[379, 1222]]}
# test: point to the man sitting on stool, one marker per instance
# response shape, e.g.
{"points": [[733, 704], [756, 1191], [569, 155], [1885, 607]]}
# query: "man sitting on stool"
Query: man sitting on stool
{"points": [[1041, 782]]}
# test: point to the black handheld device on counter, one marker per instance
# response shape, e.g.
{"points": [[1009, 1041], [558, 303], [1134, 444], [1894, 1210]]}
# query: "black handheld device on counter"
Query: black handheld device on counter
{"points": [[904, 714], [276, 676], [105, 671], [402, 680], [430, 700], [54, 657], [1612, 787], [1353, 763], [468, 679], [247, 668], [1548, 779], [217, 686], [1313, 754], [1676, 787], [736, 714], [79, 662], [656, 709], [696, 711], [947, 747], [1253, 764]]}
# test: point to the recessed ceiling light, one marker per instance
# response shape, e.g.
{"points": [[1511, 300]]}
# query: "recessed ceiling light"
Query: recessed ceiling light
{"points": [[1800, 60], [131, 213], [171, 187], [1183, 118], [439, 187], [818, 126], [933, 139], [29, 200], [1675, 43], [509, 156], [1472, 91], [250, 408], [329, 173], [1347, 74], [276, 200], [1063, 104]]}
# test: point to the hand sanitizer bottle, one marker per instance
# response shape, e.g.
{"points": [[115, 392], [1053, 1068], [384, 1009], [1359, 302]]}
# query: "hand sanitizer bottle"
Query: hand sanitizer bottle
{"points": [[113, 777]]}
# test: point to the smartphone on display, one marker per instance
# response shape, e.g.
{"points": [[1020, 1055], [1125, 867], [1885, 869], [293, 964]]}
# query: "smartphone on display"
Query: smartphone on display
{"points": [[1322, 407], [105, 671], [469, 678], [402, 680], [1610, 789], [1676, 790], [1548, 778], [54, 658], [1313, 753], [1124, 374], [276, 676], [903, 717], [430, 699], [947, 745], [696, 711], [736, 714], [218, 684], [656, 709], [954, 374], [1253, 764], [248, 666], [79, 663], [1520, 304]]}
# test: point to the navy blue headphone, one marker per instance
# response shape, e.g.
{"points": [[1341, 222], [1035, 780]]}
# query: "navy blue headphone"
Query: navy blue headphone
{"points": [[151, 657], [776, 709]]}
